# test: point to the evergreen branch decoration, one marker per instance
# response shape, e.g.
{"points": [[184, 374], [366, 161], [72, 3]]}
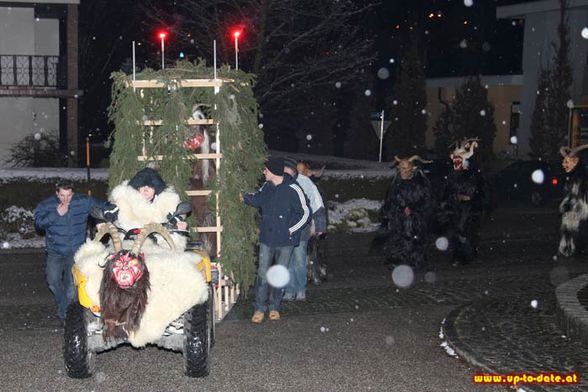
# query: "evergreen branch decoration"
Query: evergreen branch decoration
{"points": [[241, 142]]}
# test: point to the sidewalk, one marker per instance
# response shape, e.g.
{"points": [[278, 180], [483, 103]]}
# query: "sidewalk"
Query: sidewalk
{"points": [[524, 334]]}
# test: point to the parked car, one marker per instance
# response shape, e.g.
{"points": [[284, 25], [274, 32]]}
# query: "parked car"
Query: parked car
{"points": [[536, 182]]}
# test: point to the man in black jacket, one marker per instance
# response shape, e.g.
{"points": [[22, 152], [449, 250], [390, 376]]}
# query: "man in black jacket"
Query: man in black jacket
{"points": [[284, 213]]}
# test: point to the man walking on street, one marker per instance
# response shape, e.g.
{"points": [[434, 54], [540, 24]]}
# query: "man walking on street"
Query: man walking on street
{"points": [[284, 213], [296, 288], [64, 219]]}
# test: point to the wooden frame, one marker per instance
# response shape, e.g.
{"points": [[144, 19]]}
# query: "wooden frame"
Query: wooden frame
{"points": [[227, 291]]}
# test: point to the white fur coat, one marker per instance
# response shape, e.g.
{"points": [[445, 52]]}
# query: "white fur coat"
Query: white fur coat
{"points": [[176, 283]]}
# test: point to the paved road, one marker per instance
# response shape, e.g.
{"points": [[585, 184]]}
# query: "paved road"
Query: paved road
{"points": [[356, 332]]}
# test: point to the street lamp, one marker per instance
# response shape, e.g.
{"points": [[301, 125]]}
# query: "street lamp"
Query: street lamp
{"points": [[236, 34], [162, 35]]}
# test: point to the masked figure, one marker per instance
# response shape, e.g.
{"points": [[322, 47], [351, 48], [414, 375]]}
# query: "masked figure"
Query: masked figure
{"points": [[464, 202], [406, 213], [574, 207]]}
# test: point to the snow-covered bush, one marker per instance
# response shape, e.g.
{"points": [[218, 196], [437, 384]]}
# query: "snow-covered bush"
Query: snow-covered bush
{"points": [[17, 220], [355, 215]]}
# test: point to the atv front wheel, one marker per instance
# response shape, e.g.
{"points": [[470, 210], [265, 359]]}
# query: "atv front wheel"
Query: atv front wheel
{"points": [[197, 340], [78, 358]]}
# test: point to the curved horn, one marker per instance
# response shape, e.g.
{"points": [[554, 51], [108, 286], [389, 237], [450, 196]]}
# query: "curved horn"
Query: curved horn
{"points": [[109, 228], [318, 173], [396, 158], [576, 150], [412, 158], [565, 151], [422, 160], [148, 229]]}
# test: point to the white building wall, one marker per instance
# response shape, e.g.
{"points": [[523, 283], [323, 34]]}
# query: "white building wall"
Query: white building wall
{"points": [[17, 30], [47, 37], [541, 23], [22, 34]]}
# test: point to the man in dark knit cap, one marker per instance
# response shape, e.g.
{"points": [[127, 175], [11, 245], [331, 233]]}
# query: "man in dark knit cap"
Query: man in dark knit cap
{"points": [[284, 213]]}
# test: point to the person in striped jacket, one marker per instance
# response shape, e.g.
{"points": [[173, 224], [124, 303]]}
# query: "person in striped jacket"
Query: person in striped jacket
{"points": [[285, 212]]}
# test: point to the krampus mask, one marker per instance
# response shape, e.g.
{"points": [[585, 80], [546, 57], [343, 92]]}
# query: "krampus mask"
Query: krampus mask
{"points": [[407, 167], [125, 283], [463, 151], [570, 157]]}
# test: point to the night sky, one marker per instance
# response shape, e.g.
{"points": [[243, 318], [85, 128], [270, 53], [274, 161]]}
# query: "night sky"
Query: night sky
{"points": [[456, 37]]}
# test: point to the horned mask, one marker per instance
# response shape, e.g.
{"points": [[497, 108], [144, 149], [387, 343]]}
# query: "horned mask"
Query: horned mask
{"points": [[463, 151], [407, 167], [570, 157], [125, 283]]}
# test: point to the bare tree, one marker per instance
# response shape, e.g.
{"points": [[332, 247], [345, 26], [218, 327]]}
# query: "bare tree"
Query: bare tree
{"points": [[300, 50]]}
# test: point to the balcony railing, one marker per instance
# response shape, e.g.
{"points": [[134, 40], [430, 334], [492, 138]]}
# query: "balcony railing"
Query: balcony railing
{"points": [[30, 71]]}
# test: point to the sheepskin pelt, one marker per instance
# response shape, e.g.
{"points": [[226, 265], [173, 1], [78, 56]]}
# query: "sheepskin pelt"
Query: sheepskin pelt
{"points": [[135, 212], [176, 285], [574, 213]]}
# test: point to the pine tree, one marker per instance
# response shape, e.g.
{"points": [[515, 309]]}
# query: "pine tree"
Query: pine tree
{"points": [[408, 108], [444, 132], [474, 115], [550, 115]]}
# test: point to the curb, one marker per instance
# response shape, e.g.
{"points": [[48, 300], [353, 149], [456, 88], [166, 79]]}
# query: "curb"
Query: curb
{"points": [[572, 316], [452, 338]]}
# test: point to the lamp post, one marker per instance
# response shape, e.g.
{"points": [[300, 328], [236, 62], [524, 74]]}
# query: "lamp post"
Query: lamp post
{"points": [[162, 36], [236, 34]]}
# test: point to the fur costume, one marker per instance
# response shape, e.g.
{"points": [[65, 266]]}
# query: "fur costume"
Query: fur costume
{"points": [[135, 212], [574, 206], [464, 202], [175, 283], [406, 215]]}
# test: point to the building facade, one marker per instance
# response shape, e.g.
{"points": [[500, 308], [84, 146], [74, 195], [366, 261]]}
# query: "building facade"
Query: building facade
{"points": [[39, 73], [514, 96]]}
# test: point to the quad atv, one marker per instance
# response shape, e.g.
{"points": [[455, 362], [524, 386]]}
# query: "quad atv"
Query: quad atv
{"points": [[178, 314]]}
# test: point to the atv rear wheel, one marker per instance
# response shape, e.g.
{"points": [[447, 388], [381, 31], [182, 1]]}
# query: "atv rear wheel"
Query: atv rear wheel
{"points": [[211, 320], [78, 359], [197, 340]]}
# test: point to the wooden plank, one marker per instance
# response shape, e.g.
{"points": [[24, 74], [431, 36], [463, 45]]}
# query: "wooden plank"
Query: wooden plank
{"points": [[198, 193], [208, 229], [208, 156], [191, 121], [193, 156], [153, 83]]}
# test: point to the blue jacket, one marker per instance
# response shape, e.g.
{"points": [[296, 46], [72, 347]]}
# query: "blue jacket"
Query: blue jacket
{"points": [[285, 212], [65, 234]]}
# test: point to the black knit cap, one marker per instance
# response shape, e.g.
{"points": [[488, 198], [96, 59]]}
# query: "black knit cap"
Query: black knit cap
{"points": [[148, 177], [290, 162], [276, 166]]}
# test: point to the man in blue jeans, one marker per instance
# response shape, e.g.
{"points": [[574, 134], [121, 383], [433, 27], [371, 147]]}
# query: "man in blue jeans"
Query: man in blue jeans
{"points": [[64, 219], [284, 213], [296, 288]]}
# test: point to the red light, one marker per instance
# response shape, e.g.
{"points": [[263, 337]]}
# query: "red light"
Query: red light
{"points": [[236, 34], [162, 34], [554, 181]]}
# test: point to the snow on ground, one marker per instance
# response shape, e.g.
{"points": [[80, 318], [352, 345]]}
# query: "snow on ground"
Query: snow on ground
{"points": [[35, 173], [353, 215]]}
